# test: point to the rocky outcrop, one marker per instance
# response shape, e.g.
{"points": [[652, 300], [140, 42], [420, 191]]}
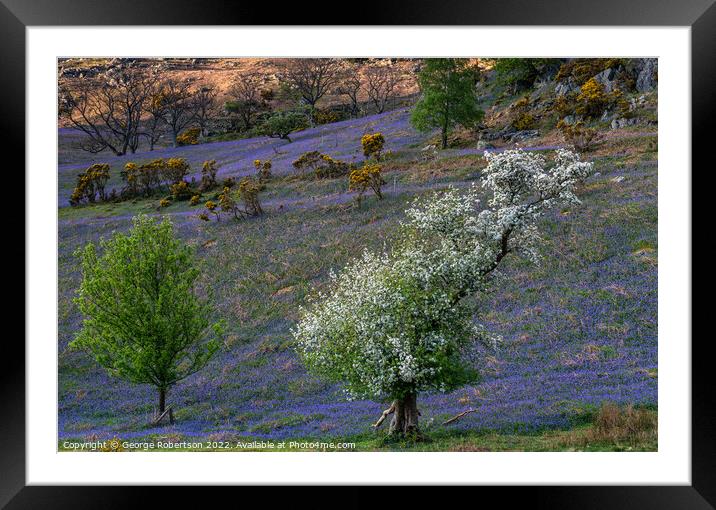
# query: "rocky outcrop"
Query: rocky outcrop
{"points": [[647, 74], [608, 78]]}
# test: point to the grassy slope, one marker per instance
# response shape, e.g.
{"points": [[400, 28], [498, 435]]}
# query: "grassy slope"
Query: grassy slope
{"points": [[579, 329]]}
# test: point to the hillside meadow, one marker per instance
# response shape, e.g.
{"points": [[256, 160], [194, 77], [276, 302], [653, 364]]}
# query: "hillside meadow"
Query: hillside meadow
{"points": [[580, 328]]}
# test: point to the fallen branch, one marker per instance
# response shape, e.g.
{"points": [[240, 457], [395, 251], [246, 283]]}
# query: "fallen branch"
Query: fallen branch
{"points": [[383, 416], [458, 416], [161, 416]]}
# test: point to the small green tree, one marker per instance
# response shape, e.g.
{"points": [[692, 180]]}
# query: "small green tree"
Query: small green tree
{"points": [[448, 97], [282, 124], [143, 319]]}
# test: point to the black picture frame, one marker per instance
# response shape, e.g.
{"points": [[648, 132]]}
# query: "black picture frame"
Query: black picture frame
{"points": [[700, 15]]}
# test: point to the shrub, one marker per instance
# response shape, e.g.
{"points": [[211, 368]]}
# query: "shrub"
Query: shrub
{"points": [[91, 184], [372, 145], [363, 179], [580, 137], [165, 202], [227, 203], [208, 175], [130, 176], [194, 200], [331, 168], [592, 100], [249, 190], [229, 182], [632, 425], [189, 136], [307, 161], [263, 169], [174, 170], [321, 166], [326, 116], [181, 191], [211, 208]]}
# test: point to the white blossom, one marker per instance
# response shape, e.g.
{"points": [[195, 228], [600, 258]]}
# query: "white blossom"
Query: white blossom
{"points": [[394, 322]]}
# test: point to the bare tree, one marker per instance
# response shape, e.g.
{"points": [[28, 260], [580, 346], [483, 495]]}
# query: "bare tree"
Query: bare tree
{"points": [[179, 106], [154, 112], [247, 100], [204, 108], [311, 78], [107, 109], [381, 82], [350, 86]]}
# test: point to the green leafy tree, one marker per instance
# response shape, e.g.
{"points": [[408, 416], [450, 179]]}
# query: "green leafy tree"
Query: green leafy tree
{"points": [[143, 319], [282, 124], [448, 97]]}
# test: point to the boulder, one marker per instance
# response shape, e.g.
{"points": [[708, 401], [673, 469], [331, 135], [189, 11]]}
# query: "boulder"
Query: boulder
{"points": [[608, 79], [621, 123]]}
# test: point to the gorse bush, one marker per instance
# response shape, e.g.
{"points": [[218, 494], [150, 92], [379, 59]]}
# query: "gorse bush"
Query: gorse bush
{"points": [[331, 168], [326, 116], [522, 118], [175, 169], [227, 203], [91, 184], [577, 135], [150, 177], [320, 166], [393, 324], [263, 169], [592, 99], [366, 178], [208, 175], [372, 145], [189, 136], [181, 191], [249, 190], [248, 193], [308, 161]]}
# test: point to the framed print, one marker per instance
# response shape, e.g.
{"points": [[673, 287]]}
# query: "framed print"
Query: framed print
{"points": [[379, 254]]}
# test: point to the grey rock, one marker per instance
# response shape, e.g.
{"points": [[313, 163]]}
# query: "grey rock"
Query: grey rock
{"points": [[607, 78], [621, 123], [565, 87], [524, 135], [647, 79]]}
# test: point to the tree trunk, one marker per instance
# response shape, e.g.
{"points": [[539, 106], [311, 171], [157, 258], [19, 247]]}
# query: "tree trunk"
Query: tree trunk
{"points": [[405, 417], [444, 137], [162, 400]]}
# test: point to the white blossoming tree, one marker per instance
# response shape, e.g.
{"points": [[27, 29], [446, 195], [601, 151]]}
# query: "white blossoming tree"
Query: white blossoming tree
{"points": [[394, 324]]}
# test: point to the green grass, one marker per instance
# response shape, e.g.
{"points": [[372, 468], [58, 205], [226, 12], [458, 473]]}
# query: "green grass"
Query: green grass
{"points": [[579, 439]]}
